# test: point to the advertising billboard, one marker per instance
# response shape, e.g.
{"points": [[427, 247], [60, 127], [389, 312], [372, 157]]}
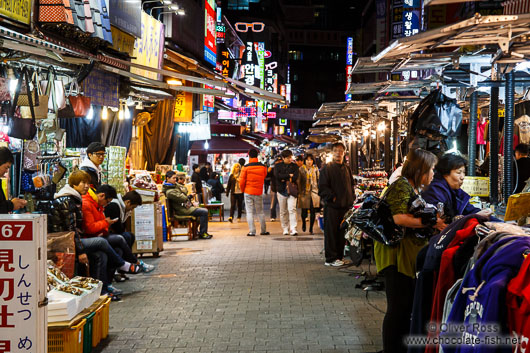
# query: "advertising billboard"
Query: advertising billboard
{"points": [[210, 34]]}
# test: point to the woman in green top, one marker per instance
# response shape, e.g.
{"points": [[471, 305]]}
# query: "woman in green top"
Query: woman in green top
{"points": [[398, 263]]}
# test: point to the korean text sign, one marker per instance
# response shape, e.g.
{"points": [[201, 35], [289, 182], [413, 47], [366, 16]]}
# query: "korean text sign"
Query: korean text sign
{"points": [[210, 34], [21, 323]]}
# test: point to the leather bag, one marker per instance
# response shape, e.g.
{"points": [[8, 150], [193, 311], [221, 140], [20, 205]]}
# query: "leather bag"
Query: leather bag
{"points": [[292, 188], [80, 104], [57, 85], [20, 128], [29, 87]]}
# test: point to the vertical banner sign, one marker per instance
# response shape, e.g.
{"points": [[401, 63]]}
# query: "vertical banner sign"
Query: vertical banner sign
{"points": [[349, 65], [208, 101], [17, 10], [149, 48], [260, 69], [22, 284], [226, 65], [249, 74], [183, 107], [221, 32], [127, 16], [381, 30], [397, 19], [210, 40], [411, 26]]}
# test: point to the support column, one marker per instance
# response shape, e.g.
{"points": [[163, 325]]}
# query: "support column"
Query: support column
{"points": [[494, 145], [395, 137], [388, 153], [472, 140], [354, 161], [508, 136]]}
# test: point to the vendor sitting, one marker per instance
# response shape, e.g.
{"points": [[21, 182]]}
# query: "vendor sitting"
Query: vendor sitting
{"points": [[180, 202], [446, 188]]}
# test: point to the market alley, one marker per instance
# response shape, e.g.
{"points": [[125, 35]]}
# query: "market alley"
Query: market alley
{"points": [[235, 293]]}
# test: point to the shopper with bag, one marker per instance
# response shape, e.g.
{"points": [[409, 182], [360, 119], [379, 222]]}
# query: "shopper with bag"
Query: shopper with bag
{"points": [[286, 174], [398, 263], [308, 199], [7, 206], [335, 187]]}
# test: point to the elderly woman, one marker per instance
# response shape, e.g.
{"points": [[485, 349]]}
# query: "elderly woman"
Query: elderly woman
{"points": [[446, 188], [398, 263]]}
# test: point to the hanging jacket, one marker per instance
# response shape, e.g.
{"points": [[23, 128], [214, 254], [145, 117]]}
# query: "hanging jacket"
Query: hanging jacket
{"points": [[336, 185], [456, 202], [518, 303], [94, 172], [94, 222], [177, 195], [253, 177], [428, 277], [482, 295], [67, 215], [6, 206]]}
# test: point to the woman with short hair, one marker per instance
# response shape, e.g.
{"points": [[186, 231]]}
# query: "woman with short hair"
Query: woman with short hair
{"points": [[236, 194]]}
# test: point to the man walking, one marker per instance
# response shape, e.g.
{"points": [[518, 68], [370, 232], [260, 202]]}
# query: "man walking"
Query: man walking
{"points": [[336, 190], [251, 183], [287, 171]]}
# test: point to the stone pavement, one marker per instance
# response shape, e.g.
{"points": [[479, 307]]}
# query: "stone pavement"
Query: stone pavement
{"points": [[235, 293]]}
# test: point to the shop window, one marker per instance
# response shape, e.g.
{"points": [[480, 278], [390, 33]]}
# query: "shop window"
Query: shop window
{"points": [[296, 55]]}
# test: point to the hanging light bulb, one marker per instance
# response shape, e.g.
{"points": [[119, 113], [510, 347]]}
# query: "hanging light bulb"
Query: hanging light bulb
{"points": [[90, 114], [127, 113], [206, 145], [365, 133], [121, 115], [104, 113]]}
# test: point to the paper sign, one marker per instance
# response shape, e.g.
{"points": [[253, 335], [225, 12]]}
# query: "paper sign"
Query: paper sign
{"points": [[518, 207], [477, 186], [144, 222], [144, 245]]}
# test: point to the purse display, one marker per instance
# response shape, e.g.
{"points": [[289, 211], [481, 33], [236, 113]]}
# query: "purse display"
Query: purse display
{"points": [[20, 128], [80, 104], [52, 83], [29, 87]]}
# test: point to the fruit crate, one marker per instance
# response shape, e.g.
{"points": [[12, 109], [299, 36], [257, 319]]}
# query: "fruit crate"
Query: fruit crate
{"points": [[66, 340]]}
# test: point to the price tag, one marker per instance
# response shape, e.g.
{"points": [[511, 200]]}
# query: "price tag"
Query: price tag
{"points": [[477, 186], [16, 231]]}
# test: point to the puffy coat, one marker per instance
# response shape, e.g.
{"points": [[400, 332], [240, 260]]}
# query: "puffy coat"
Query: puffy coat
{"points": [[67, 215], [177, 195], [253, 177], [94, 222]]}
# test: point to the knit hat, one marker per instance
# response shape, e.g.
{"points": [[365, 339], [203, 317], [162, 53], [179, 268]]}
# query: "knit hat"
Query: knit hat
{"points": [[95, 147]]}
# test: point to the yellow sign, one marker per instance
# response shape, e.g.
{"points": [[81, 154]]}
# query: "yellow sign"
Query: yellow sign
{"points": [[477, 186], [518, 207], [18, 10], [183, 107], [121, 41], [149, 49]]}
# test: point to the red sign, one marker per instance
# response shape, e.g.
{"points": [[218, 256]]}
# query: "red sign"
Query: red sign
{"points": [[210, 41], [16, 231]]}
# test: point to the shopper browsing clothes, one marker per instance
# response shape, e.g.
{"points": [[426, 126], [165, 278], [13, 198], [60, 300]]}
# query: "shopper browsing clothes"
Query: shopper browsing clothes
{"points": [[287, 172], [521, 166], [335, 187], [398, 264], [251, 183], [308, 199], [7, 206], [92, 163], [233, 189], [180, 202]]}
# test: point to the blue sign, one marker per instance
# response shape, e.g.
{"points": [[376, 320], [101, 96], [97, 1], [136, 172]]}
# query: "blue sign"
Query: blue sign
{"points": [[127, 16], [411, 22], [210, 56], [349, 51], [412, 4]]}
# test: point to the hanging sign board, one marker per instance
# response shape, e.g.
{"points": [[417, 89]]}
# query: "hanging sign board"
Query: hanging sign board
{"points": [[477, 186], [127, 16], [148, 50], [102, 88], [22, 284], [17, 10], [210, 34], [122, 41], [183, 107]]}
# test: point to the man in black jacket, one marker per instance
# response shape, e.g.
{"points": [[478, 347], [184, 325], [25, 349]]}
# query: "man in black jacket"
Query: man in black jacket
{"points": [[274, 189], [284, 172], [335, 187], [196, 178], [92, 163], [6, 206]]}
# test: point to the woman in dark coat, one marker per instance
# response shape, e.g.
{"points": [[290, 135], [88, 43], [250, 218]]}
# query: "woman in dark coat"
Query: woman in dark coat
{"points": [[217, 187]]}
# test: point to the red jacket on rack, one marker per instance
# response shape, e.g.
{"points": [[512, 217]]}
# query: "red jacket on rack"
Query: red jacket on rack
{"points": [[518, 303], [94, 222]]}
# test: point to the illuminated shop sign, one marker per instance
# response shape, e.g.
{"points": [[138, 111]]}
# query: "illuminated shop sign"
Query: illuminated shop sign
{"points": [[210, 40]]}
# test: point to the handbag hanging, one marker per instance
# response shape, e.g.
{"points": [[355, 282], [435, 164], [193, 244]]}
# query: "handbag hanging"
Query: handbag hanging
{"points": [[68, 111], [58, 88], [41, 111], [20, 128], [80, 104], [292, 188], [55, 11], [31, 151], [29, 88]]}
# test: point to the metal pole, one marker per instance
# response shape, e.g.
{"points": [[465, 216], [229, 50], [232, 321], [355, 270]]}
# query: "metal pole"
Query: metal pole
{"points": [[494, 145], [395, 136], [508, 136], [472, 142], [388, 153], [354, 157]]}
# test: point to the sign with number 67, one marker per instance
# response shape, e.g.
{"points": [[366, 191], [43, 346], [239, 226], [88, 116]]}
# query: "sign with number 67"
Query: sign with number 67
{"points": [[16, 231]]}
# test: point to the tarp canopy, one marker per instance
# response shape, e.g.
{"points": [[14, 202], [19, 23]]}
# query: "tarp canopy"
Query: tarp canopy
{"points": [[218, 145]]}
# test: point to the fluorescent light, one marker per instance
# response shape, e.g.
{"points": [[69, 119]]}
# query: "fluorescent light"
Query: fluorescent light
{"points": [[181, 12], [174, 7], [174, 82]]}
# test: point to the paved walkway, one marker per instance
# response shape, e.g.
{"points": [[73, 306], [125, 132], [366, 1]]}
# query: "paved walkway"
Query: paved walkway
{"points": [[235, 293]]}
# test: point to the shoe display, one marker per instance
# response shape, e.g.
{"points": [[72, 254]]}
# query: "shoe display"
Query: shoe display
{"points": [[264, 233], [205, 236], [251, 235], [336, 263], [113, 290], [146, 267]]}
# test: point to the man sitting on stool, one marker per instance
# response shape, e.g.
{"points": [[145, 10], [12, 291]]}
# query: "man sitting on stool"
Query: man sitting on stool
{"points": [[180, 202]]}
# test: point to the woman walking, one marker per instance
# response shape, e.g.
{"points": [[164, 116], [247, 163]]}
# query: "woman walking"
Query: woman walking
{"points": [[234, 191], [308, 199]]}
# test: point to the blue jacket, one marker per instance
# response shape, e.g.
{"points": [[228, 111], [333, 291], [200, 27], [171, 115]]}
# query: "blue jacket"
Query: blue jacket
{"points": [[481, 298], [456, 202]]}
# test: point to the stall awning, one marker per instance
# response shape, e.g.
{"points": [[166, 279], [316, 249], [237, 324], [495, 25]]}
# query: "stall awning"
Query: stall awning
{"points": [[218, 145], [387, 86]]}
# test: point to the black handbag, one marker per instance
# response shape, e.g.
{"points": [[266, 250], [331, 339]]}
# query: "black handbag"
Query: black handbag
{"points": [[292, 188], [374, 218], [19, 128]]}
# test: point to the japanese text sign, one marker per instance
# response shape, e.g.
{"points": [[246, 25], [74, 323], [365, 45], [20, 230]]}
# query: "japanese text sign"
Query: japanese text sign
{"points": [[18, 10], [22, 277], [183, 107]]}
